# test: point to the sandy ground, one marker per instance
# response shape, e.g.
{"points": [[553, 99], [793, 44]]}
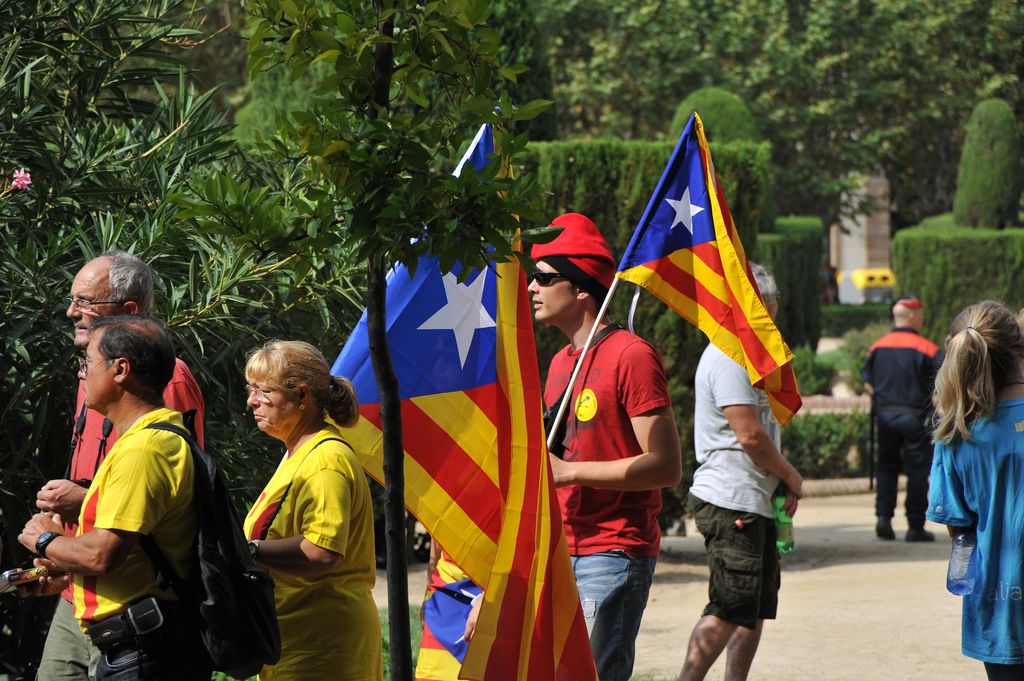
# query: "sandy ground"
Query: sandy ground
{"points": [[851, 608]]}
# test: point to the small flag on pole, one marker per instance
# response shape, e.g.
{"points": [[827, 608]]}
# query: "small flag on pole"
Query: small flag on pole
{"points": [[686, 251]]}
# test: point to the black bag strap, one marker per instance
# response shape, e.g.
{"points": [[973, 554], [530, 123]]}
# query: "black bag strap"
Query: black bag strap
{"points": [[165, 574], [284, 495], [76, 437], [557, 447], [76, 440], [189, 417]]}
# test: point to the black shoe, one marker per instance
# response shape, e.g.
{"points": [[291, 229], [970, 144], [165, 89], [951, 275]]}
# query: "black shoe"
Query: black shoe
{"points": [[883, 530], [915, 534]]}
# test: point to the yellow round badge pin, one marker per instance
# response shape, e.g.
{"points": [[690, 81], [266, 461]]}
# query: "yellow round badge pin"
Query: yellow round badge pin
{"points": [[586, 405]]}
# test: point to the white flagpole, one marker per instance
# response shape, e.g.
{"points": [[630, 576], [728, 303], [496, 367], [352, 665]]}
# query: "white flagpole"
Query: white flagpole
{"points": [[579, 364]]}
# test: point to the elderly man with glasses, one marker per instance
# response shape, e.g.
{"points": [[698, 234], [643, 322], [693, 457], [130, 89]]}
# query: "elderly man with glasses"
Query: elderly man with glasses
{"points": [[115, 283]]}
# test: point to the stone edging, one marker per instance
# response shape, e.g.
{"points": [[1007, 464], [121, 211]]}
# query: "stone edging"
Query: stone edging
{"points": [[836, 486]]}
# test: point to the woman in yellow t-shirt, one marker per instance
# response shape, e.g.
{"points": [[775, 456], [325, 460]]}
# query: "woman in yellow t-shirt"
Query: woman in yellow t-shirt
{"points": [[312, 526]]}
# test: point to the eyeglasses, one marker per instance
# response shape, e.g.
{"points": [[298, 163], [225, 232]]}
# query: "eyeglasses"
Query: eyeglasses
{"points": [[259, 393], [545, 278], [86, 305], [83, 363]]}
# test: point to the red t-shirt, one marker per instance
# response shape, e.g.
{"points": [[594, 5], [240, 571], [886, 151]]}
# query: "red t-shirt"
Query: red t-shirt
{"points": [[181, 394], [622, 377]]}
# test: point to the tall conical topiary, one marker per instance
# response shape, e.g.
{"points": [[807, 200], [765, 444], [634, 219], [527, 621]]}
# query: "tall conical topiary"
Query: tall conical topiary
{"points": [[726, 117], [989, 178]]}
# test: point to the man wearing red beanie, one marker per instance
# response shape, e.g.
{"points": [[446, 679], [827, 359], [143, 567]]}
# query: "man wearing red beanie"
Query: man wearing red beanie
{"points": [[620, 445]]}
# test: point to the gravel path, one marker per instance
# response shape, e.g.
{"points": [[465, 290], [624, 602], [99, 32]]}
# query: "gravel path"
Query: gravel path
{"points": [[852, 607]]}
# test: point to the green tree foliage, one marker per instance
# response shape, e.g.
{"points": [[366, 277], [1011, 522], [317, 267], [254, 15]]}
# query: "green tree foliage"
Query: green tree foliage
{"points": [[951, 268], [274, 94], [407, 83], [93, 103], [521, 46], [731, 117], [215, 57], [837, 87], [989, 179]]}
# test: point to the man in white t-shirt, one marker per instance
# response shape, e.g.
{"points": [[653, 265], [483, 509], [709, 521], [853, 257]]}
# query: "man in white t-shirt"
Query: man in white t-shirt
{"points": [[737, 443]]}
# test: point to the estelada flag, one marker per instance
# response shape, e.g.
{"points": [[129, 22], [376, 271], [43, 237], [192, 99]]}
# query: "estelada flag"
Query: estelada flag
{"points": [[476, 466], [686, 251], [445, 612]]}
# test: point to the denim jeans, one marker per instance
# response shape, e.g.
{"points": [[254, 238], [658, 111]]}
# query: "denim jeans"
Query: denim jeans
{"points": [[613, 590]]}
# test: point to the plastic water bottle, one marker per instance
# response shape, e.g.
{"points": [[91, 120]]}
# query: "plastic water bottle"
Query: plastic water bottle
{"points": [[962, 564], [783, 525]]}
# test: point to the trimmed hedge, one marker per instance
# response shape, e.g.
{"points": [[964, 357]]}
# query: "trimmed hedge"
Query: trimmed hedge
{"points": [[815, 377], [819, 445], [836, 320], [952, 268], [794, 253], [611, 182]]}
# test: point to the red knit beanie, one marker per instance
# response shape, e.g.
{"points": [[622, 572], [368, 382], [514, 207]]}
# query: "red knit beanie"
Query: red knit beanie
{"points": [[582, 245]]}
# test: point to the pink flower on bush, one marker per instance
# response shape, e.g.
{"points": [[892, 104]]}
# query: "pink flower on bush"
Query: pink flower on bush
{"points": [[21, 179]]}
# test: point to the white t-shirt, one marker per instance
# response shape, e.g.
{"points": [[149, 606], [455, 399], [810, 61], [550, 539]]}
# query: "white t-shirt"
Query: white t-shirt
{"points": [[726, 476]]}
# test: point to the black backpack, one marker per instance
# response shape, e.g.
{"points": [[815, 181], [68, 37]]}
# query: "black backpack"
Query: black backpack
{"points": [[231, 599]]}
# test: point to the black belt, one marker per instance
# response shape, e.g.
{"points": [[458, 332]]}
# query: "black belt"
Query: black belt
{"points": [[137, 621]]}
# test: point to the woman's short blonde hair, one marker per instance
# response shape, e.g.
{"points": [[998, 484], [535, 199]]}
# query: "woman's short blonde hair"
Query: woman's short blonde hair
{"points": [[289, 365]]}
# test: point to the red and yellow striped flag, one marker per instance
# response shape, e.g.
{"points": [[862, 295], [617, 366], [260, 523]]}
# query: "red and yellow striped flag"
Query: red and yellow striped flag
{"points": [[686, 251], [476, 467]]}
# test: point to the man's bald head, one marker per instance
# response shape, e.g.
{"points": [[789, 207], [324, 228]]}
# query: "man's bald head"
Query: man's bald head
{"points": [[908, 311]]}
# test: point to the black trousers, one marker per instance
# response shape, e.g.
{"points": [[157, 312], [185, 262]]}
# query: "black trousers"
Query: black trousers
{"points": [[904, 444]]}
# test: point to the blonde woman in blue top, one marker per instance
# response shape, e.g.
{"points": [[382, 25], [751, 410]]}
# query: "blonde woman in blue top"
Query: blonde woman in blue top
{"points": [[978, 474]]}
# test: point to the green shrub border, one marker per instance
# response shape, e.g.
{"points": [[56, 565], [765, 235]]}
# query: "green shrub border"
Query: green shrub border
{"points": [[951, 268], [819, 445], [836, 320]]}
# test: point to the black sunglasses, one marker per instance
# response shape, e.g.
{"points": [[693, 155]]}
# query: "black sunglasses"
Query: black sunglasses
{"points": [[545, 278]]}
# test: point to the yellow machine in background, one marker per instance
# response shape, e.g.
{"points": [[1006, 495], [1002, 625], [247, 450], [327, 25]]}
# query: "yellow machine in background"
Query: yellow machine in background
{"points": [[866, 285]]}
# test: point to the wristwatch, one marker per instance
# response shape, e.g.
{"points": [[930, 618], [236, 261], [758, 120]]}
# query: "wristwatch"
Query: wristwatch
{"points": [[44, 540], [254, 548]]}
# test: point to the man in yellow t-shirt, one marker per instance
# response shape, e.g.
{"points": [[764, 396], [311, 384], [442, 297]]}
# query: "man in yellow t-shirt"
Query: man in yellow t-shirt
{"points": [[143, 487]]}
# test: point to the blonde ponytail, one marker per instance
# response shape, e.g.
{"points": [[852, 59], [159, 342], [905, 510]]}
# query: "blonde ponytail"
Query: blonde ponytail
{"points": [[982, 354]]}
